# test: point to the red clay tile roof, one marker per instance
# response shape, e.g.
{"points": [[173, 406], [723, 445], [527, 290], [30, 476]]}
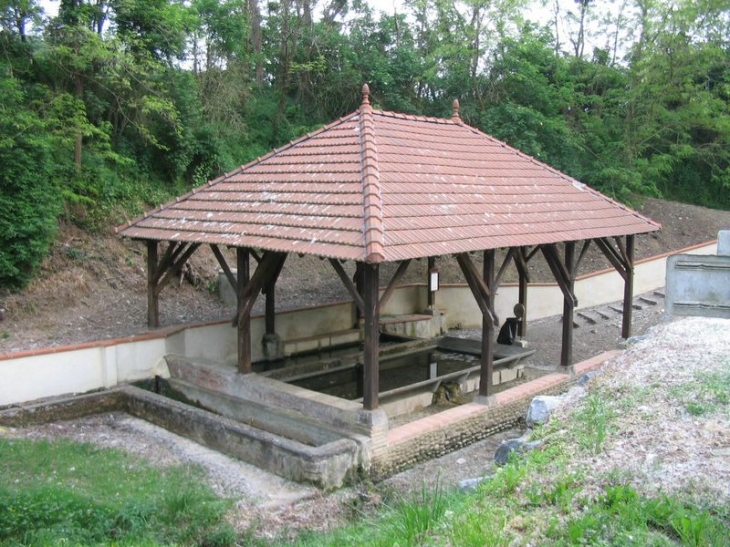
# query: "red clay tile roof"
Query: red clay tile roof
{"points": [[379, 186]]}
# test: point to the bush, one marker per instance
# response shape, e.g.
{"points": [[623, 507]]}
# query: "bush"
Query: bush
{"points": [[29, 203]]}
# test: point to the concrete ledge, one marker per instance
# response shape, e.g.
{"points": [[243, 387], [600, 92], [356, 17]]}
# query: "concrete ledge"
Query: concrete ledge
{"points": [[327, 466]]}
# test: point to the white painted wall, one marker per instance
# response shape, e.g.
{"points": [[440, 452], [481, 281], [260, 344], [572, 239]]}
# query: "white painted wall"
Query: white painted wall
{"points": [[33, 375]]}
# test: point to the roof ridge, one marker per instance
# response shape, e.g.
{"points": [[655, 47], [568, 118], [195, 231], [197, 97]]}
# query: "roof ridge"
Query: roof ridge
{"points": [[372, 197], [416, 118]]}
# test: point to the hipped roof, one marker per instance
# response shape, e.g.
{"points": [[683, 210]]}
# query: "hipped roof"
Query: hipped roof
{"points": [[380, 186]]}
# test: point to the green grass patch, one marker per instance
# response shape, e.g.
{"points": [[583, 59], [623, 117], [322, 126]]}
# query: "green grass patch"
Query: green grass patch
{"points": [[62, 492], [710, 392]]}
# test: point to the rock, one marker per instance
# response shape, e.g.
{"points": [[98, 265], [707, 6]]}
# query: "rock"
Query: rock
{"points": [[471, 484], [517, 446], [587, 377], [540, 409]]}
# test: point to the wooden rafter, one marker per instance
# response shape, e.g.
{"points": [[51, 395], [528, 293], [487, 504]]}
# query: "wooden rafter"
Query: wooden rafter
{"points": [[224, 266], [270, 263], [349, 285], [159, 273], [476, 284], [402, 267], [560, 273]]}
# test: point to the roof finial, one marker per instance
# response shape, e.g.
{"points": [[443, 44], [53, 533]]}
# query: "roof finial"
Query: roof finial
{"points": [[365, 94], [455, 116]]}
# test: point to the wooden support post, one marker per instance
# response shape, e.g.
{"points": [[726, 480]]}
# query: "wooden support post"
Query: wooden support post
{"points": [[153, 310], [431, 264], [628, 287], [371, 372], [244, 324], [482, 295], [488, 276], [566, 352], [359, 289], [524, 279], [271, 310], [486, 376]]}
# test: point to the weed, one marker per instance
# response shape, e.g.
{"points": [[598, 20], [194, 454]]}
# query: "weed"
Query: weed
{"points": [[594, 421], [418, 517], [481, 529], [4, 335], [708, 393]]}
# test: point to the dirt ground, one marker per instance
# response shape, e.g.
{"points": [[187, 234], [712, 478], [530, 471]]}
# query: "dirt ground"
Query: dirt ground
{"points": [[93, 287]]}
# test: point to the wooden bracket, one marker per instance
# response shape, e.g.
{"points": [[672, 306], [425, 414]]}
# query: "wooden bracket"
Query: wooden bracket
{"points": [[402, 267], [270, 263], [478, 288], [349, 285]]}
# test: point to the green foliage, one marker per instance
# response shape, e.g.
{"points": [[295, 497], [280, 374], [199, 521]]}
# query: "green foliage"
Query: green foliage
{"points": [[60, 492], [28, 206]]}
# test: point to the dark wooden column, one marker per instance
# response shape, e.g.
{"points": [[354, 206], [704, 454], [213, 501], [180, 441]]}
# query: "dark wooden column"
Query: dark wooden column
{"points": [[431, 264], [622, 259], [523, 279], [161, 271], [488, 276], [271, 310], [153, 309], [628, 287], [486, 377], [371, 371], [564, 274], [270, 293], [566, 352], [482, 296], [244, 326], [359, 289]]}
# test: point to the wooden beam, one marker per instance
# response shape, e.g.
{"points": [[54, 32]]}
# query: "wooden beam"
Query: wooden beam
{"points": [[498, 278], [224, 266], [431, 297], [559, 272], [173, 247], [176, 265], [613, 256], [402, 267], [476, 284], [524, 278], [270, 293], [349, 285], [371, 369], [566, 353], [628, 287], [486, 372], [243, 327], [583, 251], [270, 263], [153, 310]]}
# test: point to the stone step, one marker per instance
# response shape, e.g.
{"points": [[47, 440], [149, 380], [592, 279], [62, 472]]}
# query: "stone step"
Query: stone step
{"points": [[587, 317], [603, 314]]}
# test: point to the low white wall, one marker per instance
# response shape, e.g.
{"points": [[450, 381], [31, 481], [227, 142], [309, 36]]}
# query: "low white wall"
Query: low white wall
{"points": [[28, 376]]}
